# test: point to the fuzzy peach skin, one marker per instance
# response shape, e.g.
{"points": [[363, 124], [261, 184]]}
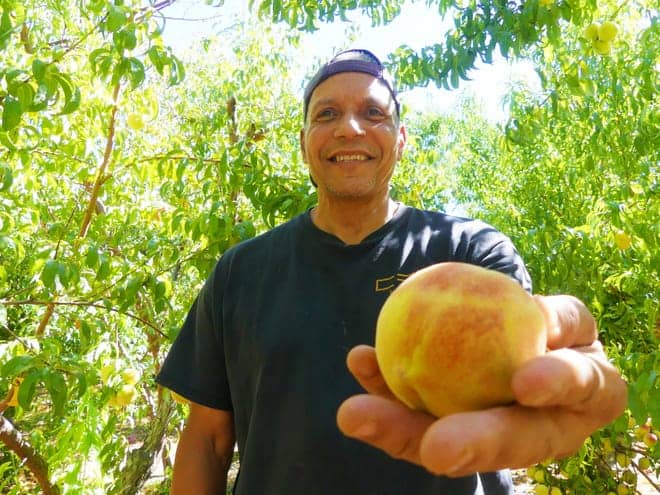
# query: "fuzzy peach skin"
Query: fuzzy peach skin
{"points": [[451, 336]]}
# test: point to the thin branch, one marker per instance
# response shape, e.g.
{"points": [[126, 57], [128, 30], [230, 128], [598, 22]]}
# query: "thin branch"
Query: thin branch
{"points": [[34, 302], [100, 177], [82, 38], [20, 446], [187, 19], [50, 308], [59, 155]]}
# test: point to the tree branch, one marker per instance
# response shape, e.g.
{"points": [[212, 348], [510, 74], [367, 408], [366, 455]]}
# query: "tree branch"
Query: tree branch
{"points": [[112, 309], [101, 175], [37, 465]]}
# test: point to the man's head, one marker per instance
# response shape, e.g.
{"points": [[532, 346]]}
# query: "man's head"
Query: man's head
{"points": [[354, 60], [352, 136]]}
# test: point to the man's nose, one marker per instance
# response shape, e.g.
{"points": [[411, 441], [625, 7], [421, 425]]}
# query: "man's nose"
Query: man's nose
{"points": [[349, 126]]}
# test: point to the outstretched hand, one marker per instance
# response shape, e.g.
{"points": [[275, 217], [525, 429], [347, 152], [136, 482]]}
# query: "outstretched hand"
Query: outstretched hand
{"points": [[562, 398]]}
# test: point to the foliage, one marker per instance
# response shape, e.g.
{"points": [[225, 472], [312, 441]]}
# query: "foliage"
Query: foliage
{"points": [[110, 218], [121, 182]]}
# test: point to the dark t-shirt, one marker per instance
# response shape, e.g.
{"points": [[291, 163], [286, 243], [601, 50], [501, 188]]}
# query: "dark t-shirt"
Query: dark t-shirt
{"points": [[268, 335]]}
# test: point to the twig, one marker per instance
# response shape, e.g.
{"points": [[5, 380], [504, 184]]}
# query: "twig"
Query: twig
{"points": [[101, 175], [112, 309], [15, 441]]}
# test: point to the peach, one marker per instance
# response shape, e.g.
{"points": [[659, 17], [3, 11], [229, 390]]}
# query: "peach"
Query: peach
{"points": [[450, 337]]}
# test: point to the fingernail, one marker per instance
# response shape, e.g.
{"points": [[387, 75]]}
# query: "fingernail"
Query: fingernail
{"points": [[366, 430]]}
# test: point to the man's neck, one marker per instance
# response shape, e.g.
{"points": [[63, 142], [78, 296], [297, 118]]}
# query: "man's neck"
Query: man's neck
{"points": [[352, 220]]}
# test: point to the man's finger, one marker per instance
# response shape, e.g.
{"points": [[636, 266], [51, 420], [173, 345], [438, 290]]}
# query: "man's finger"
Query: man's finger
{"points": [[569, 322], [558, 378], [362, 363], [580, 379], [385, 424], [498, 438]]}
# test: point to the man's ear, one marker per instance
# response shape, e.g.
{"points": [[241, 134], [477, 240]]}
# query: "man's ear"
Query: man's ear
{"points": [[302, 145], [401, 141]]}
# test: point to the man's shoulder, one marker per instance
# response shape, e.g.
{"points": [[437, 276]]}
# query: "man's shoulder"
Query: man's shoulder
{"points": [[442, 221], [277, 238]]}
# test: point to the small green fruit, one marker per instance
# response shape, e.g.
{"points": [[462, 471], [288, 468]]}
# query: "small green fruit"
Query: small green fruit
{"points": [[651, 439], [602, 47], [591, 32], [135, 121], [607, 31], [130, 376], [541, 490], [644, 463]]}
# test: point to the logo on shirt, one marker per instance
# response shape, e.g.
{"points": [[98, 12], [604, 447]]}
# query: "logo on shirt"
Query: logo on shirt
{"points": [[391, 282]]}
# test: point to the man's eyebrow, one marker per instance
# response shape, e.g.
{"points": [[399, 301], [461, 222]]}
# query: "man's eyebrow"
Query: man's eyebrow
{"points": [[369, 100], [323, 101]]}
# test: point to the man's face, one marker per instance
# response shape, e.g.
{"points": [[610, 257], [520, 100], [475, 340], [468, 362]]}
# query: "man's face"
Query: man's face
{"points": [[352, 138]]}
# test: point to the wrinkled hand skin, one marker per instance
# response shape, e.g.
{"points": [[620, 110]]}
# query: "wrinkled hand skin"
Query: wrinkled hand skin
{"points": [[562, 398]]}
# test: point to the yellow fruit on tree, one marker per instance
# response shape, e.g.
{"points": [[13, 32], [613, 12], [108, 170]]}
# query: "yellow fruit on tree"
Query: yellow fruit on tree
{"points": [[650, 440], [622, 490], [602, 47], [644, 463], [135, 121], [555, 490], [622, 460], [591, 32], [622, 240], [450, 337], [124, 396], [607, 31], [130, 376], [541, 490], [106, 372]]}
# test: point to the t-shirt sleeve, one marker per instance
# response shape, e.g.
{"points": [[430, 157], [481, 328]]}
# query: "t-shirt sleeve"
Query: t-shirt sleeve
{"points": [[195, 365], [494, 250]]}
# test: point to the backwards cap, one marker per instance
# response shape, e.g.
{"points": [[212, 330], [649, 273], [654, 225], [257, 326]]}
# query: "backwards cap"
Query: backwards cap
{"points": [[354, 60]]}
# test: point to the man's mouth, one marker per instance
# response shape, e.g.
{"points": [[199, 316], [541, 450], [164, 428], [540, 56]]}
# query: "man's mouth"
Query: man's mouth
{"points": [[349, 158]]}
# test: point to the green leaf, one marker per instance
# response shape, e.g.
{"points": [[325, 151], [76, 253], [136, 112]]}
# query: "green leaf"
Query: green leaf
{"points": [[28, 388], [17, 365], [6, 177], [39, 69], [72, 103], [11, 113], [56, 386], [116, 18], [25, 94], [92, 257], [5, 28], [51, 269]]}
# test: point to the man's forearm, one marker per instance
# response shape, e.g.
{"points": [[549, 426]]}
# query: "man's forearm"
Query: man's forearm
{"points": [[199, 468]]}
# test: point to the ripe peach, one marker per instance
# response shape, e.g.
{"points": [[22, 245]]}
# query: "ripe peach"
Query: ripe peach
{"points": [[450, 337]]}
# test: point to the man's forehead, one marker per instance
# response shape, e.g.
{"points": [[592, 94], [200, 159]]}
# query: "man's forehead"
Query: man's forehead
{"points": [[337, 86]]}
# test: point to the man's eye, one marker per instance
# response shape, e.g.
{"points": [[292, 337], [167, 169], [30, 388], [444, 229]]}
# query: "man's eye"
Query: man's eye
{"points": [[375, 112], [325, 114]]}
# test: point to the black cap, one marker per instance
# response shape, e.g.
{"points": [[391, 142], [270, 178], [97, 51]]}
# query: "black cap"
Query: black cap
{"points": [[354, 60]]}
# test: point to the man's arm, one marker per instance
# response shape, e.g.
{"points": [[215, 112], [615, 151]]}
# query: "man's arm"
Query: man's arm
{"points": [[204, 453]]}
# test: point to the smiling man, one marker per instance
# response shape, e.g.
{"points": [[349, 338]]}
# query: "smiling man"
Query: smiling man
{"points": [[263, 353]]}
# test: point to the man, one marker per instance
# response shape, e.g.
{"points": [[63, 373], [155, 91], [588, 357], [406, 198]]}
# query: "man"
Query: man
{"points": [[262, 353]]}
